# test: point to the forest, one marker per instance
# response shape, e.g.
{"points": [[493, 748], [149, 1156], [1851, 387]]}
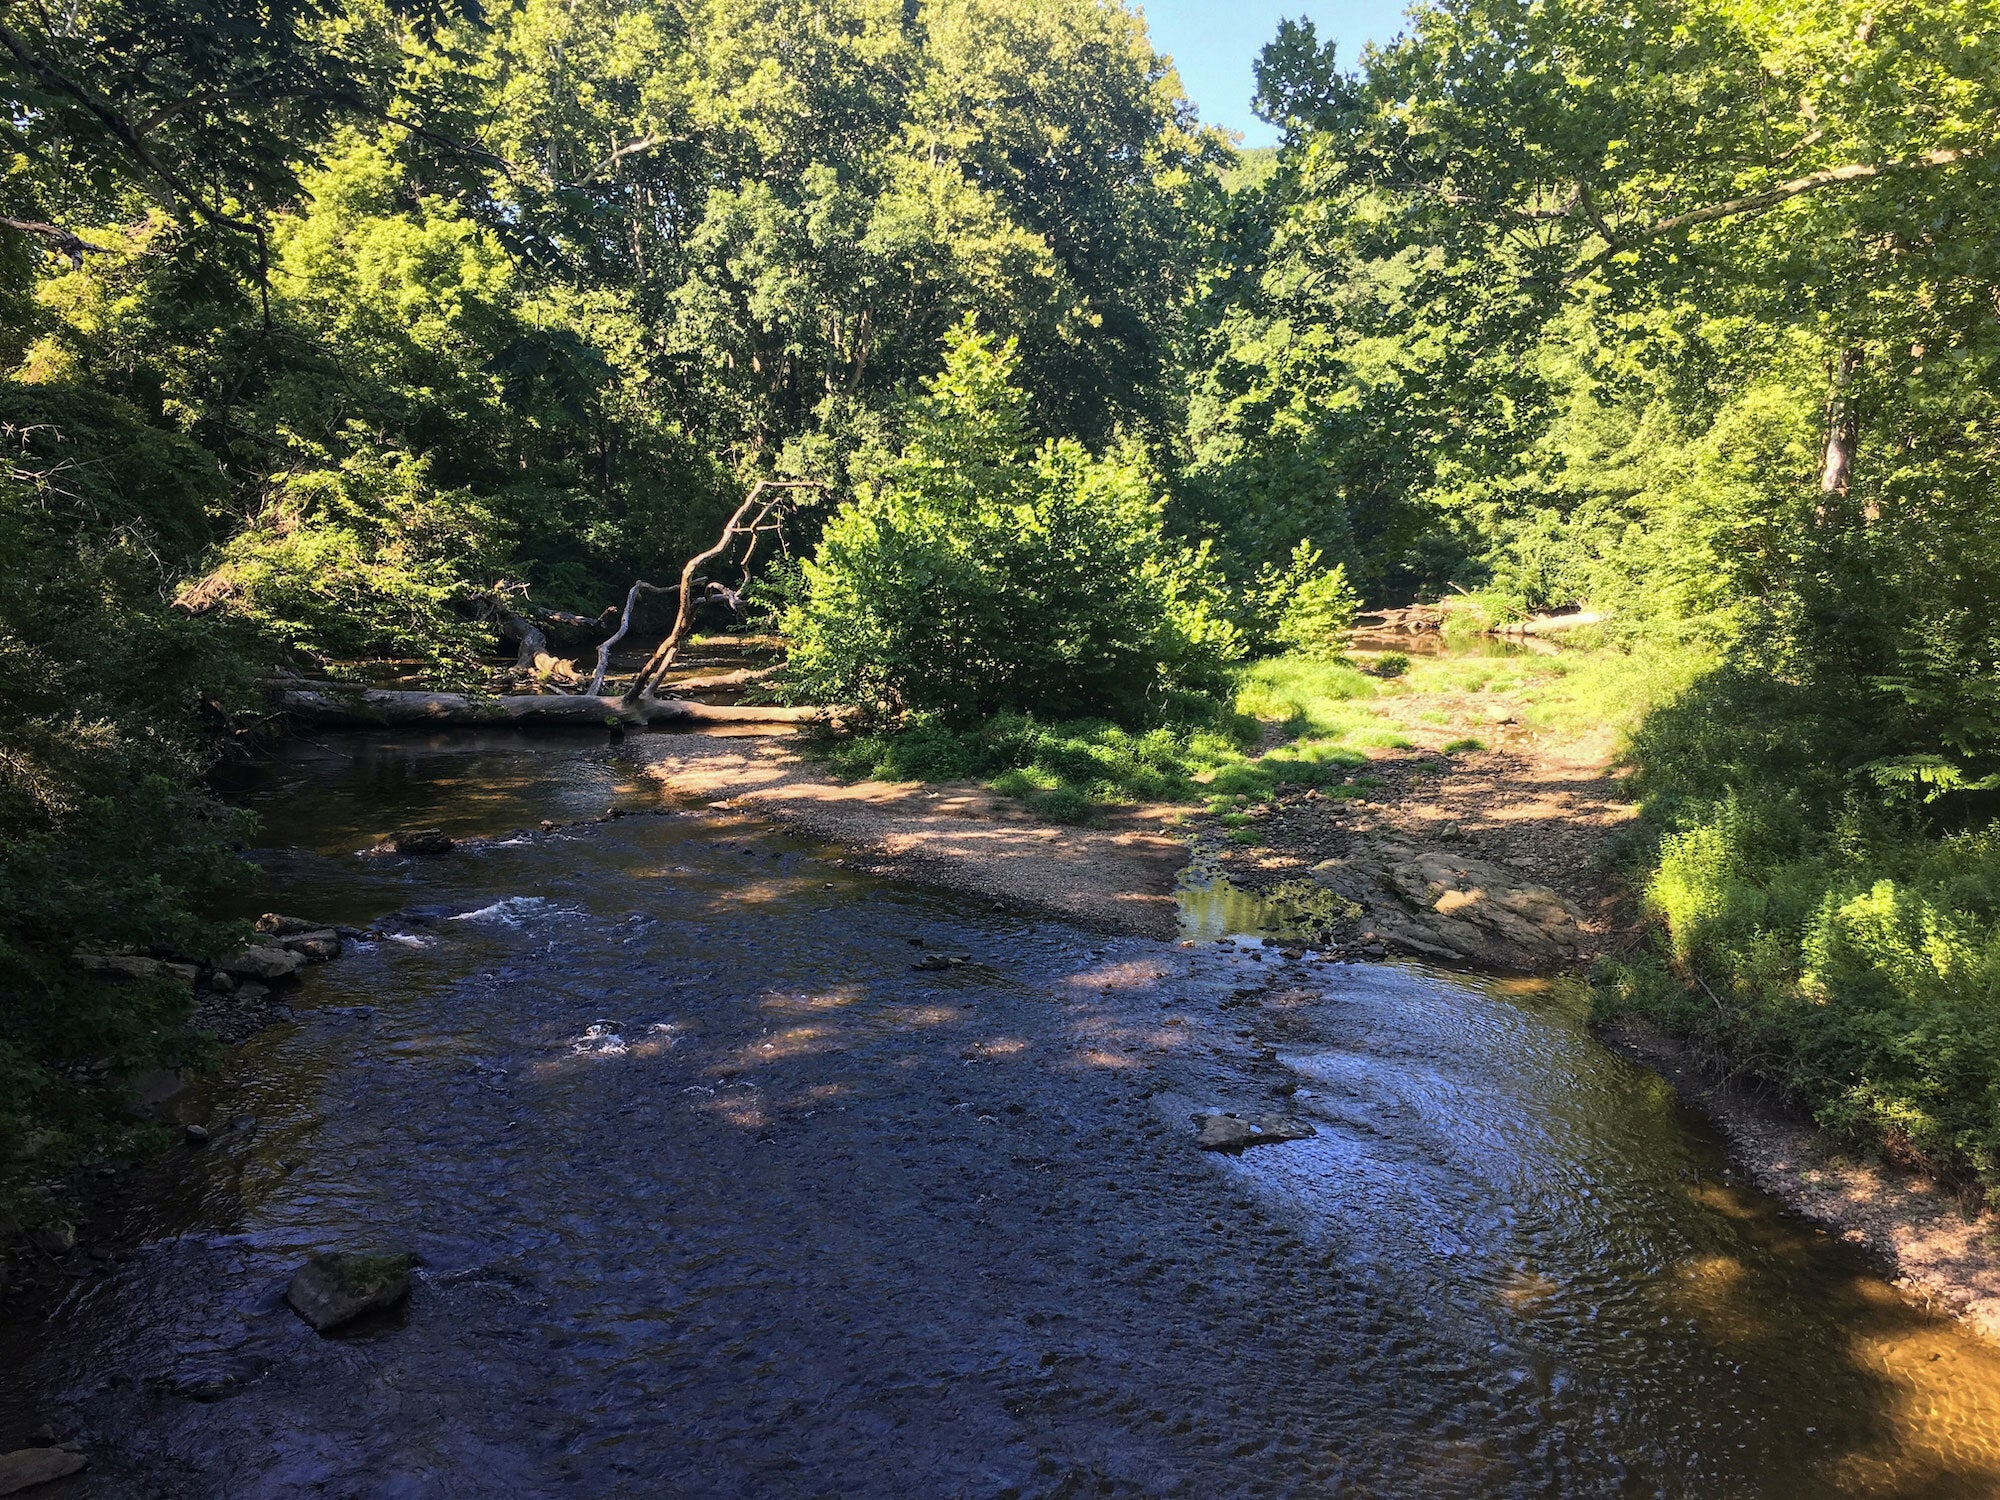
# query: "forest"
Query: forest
{"points": [[335, 333]]}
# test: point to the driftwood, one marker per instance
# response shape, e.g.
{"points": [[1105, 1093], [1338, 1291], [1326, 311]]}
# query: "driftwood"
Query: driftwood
{"points": [[1411, 619], [742, 677], [340, 704], [760, 511]]}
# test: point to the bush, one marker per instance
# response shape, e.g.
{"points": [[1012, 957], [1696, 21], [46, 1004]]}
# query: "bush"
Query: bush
{"points": [[1304, 608], [979, 573], [1391, 664], [1822, 938], [105, 841]]}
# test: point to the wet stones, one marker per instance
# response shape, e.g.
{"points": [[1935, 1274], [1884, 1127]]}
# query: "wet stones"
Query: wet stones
{"points": [[932, 963], [25, 1468], [421, 842], [1218, 1131], [336, 1287]]}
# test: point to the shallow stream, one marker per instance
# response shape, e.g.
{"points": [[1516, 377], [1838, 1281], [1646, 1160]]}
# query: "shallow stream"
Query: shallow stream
{"points": [[717, 1195]]}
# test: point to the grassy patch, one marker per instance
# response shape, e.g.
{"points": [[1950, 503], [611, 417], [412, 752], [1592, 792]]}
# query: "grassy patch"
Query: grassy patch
{"points": [[1069, 771]]}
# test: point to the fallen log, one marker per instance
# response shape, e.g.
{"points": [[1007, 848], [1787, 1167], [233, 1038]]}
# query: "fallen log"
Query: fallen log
{"points": [[1550, 624], [742, 677], [346, 705]]}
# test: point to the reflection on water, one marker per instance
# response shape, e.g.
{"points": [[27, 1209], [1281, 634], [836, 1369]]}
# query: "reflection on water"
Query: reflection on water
{"points": [[717, 1195]]}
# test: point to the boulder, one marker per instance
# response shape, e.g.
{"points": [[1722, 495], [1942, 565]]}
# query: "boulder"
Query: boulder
{"points": [[1216, 1131], [315, 946], [128, 966], [1451, 906], [264, 963], [26, 1467], [57, 1237], [332, 1288], [273, 924], [421, 841]]}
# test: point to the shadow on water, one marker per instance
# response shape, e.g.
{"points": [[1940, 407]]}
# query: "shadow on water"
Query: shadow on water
{"points": [[718, 1195]]}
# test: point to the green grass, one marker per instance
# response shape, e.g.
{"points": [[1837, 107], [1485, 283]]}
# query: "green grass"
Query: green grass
{"points": [[1071, 771], [1609, 688]]}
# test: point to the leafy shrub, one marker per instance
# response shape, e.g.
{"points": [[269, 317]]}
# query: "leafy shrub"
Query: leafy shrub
{"points": [[1390, 664], [365, 559], [1303, 607], [979, 573], [105, 841]]}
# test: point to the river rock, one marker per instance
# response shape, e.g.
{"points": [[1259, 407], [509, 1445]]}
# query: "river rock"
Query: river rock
{"points": [[275, 924], [1449, 905], [264, 963], [315, 946], [57, 1237], [127, 966], [335, 1287], [1216, 1131], [26, 1467], [422, 841]]}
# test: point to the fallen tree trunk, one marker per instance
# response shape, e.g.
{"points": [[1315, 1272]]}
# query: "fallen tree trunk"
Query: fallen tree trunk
{"points": [[1550, 624], [742, 677], [346, 705]]}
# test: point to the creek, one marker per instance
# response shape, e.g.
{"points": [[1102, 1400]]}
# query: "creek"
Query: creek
{"points": [[717, 1195]]}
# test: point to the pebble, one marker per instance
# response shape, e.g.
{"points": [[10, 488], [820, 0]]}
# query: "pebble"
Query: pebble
{"points": [[197, 1135]]}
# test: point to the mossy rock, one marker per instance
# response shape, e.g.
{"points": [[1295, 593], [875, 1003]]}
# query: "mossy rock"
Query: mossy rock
{"points": [[333, 1287]]}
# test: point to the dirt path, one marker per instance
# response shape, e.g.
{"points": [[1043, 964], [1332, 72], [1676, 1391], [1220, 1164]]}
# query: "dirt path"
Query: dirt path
{"points": [[1117, 877]]}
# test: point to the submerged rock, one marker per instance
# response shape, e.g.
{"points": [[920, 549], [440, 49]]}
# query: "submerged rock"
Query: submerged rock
{"points": [[931, 963], [1448, 905], [1216, 1131], [27, 1467], [422, 841], [335, 1287]]}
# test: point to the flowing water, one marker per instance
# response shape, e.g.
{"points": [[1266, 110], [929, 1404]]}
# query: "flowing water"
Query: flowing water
{"points": [[718, 1196]]}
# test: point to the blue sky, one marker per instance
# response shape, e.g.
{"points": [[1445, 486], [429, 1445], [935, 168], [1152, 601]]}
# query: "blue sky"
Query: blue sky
{"points": [[1214, 42]]}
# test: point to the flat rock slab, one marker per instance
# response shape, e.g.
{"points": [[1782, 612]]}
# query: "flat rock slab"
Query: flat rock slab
{"points": [[422, 841], [335, 1288], [1449, 905], [1216, 1131], [26, 1467], [264, 963]]}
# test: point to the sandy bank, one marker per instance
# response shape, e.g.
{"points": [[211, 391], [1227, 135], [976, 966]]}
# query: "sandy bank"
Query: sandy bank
{"points": [[1117, 876]]}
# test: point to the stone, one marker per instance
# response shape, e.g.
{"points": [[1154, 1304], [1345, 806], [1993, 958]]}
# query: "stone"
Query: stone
{"points": [[26, 1467], [421, 841], [272, 924], [222, 982], [1500, 713], [57, 1237], [264, 963], [1216, 1131], [316, 946], [336, 1287], [931, 963], [1455, 907], [121, 967], [196, 1135]]}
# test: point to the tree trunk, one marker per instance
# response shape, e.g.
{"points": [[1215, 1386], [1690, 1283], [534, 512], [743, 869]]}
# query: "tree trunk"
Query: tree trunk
{"points": [[1842, 430]]}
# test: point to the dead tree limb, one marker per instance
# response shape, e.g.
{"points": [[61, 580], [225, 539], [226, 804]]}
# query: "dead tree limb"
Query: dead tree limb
{"points": [[624, 625], [758, 507]]}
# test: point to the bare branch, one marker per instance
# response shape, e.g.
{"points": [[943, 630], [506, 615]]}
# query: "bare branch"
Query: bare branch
{"points": [[64, 241], [738, 524]]}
